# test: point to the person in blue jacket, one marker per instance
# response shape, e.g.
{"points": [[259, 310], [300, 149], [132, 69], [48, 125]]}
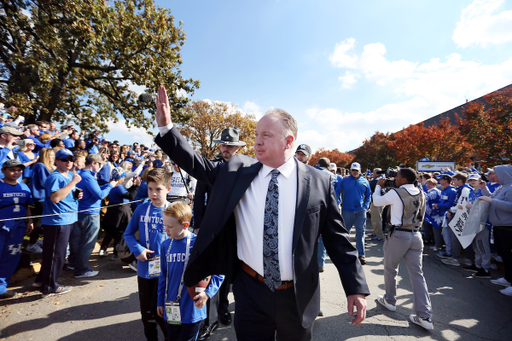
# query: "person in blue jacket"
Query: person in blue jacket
{"points": [[175, 252], [44, 166], [147, 220], [448, 198], [356, 196], [85, 233], [118, 215]]}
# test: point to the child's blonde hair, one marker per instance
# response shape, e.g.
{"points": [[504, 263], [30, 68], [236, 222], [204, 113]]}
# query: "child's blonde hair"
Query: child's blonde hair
{"points": [[432, 181], [180, 211]]}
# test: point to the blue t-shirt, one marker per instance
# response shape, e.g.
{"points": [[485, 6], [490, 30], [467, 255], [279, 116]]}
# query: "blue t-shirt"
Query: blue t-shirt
{"points": [[14, 200], [116, 195], [62, 209], [27, 173], [172, 263], [69, 143], [93, 193], [148, 220], [103, 176], [142, 193], [39, 175]]}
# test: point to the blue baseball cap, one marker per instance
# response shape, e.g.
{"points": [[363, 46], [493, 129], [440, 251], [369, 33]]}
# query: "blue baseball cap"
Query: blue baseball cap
{"points": [[63, 154]]}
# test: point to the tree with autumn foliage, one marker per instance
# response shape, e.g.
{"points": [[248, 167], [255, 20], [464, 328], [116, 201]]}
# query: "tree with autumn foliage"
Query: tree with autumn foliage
{"points": [[488, 127], [209, 119], [442, 142], [375, 152], [339, 158]]}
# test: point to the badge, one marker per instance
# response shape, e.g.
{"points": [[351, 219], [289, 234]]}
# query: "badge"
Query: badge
{"points": [[154, 267], [172, 308]]}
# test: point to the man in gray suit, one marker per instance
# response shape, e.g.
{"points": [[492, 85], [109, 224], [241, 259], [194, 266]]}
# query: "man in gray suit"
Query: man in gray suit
{"points": [[265, 217]]}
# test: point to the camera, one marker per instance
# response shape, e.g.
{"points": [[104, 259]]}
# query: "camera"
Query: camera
{"points": [[76, 193], [484, 177], [389, 173]]}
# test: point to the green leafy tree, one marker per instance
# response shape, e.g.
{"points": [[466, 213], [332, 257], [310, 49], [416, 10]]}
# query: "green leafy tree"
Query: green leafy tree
{"points": [[66, 60], [209, 119]]}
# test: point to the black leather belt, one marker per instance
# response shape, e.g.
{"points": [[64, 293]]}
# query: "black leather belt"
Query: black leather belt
{"points": [[406, 230]]}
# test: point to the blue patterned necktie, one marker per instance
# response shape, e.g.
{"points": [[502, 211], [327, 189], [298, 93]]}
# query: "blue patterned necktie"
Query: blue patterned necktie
{"points": [[272, 275]]}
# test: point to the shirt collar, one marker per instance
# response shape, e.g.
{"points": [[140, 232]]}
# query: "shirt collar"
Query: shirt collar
{"points": [[285, 169], [408, 186]]}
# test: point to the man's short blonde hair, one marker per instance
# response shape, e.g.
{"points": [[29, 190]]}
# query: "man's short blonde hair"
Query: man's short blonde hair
{"points": [[289, 123]]}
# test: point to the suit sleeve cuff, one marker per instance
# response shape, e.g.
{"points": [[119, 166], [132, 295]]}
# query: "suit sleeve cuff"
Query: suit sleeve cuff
{"points": [[165, 129]]}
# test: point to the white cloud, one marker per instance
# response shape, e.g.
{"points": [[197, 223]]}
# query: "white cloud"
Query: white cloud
{"points": [[340, 58], [371, 63], [119, 131], [341, 139], [348, 80], [252, 108], [425, 89], [479, 25], [376, 68]]}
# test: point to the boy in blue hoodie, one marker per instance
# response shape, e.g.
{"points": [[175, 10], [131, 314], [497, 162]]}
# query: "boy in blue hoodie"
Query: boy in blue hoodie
{"points": [[147, 220], [15, 199], [182, 312]]}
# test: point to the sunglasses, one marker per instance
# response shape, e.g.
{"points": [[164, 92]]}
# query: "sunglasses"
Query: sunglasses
{"points": [[68, 159]]}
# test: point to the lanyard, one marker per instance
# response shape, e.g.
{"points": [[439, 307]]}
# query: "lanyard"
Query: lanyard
{"points": [[187, 254], [146, 225]]}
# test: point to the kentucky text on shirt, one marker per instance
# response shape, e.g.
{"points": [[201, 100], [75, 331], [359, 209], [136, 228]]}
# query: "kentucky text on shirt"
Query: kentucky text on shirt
{"points": [[10, 195], [152, 220], [175, 257]]}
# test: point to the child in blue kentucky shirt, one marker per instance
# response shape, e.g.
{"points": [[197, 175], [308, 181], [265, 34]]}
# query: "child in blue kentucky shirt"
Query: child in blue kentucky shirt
{"points": [[15, 199], [185, 320], [147, 220]]}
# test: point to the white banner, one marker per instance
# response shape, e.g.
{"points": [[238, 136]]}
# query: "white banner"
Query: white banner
{"points": [[458, 223]]}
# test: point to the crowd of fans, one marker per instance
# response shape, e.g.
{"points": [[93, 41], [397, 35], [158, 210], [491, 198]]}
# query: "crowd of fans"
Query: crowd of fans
{"points": [[445, 192], [79, 183], [109, 171]]}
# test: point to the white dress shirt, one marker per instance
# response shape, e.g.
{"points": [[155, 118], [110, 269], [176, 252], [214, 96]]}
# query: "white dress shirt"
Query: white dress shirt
{"points": [[250, 211], [392, 198]]}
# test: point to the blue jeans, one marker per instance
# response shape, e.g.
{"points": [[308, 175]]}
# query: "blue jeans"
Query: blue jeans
{"points": [[357, 219], [321, 253], [82, 241]]}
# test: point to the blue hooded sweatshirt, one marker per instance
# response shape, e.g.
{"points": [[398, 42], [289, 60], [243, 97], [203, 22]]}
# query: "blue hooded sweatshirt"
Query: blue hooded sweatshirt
{"points": [[355, 192]]}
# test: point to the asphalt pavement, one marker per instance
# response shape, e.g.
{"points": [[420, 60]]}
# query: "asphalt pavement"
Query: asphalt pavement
{"points": [[106, 307]]}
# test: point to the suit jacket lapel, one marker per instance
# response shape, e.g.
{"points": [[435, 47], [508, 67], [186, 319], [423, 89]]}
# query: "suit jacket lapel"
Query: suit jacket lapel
{"points": [[303, 193]]}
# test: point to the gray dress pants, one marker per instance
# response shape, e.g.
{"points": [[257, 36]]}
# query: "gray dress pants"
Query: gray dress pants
{"points": [[409, 246]]}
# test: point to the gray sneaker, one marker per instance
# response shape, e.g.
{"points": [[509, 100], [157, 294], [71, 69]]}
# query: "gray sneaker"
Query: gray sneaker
{"points": [[425, 323], [88, 273], [385, 303], [450, 261], [61, 290]]}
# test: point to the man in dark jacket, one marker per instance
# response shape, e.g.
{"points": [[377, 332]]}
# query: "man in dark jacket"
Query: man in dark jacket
{"points": [[217, 306]]}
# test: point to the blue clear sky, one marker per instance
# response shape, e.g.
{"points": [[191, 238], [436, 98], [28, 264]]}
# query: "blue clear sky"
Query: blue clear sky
{"points": [[345, 69]]}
